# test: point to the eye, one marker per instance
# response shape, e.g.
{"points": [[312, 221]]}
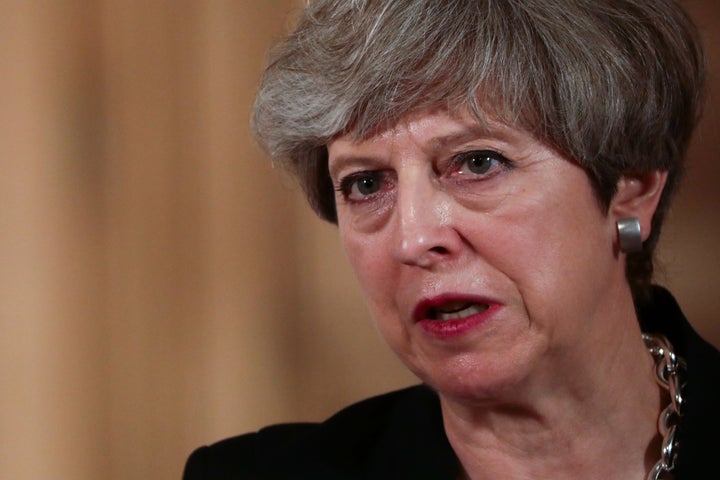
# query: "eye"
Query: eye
{"points": [[366, 185], [359, 186], [478, 162]]}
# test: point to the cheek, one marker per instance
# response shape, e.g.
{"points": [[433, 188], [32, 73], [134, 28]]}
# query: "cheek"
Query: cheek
{"points": [[369, 258], [548, 249], [378, 279]]}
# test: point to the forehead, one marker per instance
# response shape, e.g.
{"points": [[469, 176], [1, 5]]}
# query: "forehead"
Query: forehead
{"points": [[430, 129]]}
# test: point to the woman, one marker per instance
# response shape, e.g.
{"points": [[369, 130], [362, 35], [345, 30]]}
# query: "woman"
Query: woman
{"points": [[499, 171]]}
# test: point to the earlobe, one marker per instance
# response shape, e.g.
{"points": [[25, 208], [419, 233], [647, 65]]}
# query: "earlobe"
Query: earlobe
{"points": [[637, 196]]}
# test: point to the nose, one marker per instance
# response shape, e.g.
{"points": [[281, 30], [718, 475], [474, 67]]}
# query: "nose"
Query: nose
{"points": [[424, 229]]}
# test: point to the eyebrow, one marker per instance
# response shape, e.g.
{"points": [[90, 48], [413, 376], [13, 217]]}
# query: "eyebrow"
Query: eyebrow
{"points": [[464, 134], [460, 137], [343, 161]]}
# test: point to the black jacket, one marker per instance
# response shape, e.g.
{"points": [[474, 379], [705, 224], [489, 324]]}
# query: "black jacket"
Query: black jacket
{"points": [[400, 435]]}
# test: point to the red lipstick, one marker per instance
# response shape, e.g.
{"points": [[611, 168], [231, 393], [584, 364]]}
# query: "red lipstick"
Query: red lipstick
{"points": [[450, 316]]}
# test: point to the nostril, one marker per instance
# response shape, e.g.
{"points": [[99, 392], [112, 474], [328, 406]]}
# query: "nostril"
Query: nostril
{"points": [[441, 250]]}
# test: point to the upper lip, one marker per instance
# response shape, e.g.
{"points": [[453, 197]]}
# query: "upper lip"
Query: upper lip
{"points": [[425, 306]]}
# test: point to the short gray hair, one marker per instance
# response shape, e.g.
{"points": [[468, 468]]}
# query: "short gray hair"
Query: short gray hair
{"points": [[614, 85]]}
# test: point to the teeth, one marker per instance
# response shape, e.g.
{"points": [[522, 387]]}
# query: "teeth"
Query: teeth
{"points": [[460, 314]]}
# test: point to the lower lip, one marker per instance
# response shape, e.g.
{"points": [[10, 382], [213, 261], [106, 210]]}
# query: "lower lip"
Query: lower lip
{"points": [[455, 328]]}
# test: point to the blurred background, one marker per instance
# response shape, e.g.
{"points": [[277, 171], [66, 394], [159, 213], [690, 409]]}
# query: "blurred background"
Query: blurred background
{"points": [[161, 285]]}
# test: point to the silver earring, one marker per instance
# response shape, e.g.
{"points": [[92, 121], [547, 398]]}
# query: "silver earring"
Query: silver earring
{"points": [[629, 235]]}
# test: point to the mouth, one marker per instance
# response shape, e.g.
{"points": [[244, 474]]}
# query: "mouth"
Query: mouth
{"points": [[454, 310], [450, 316], [446, 309]]}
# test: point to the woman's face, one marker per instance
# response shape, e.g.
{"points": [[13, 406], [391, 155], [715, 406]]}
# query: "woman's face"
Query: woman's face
{"points": [[483, 254]]}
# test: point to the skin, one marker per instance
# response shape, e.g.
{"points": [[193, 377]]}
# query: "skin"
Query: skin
{"points": [[554, 381]]}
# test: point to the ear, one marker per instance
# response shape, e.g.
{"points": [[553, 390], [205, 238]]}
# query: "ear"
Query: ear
{"points": [[638, 196]]}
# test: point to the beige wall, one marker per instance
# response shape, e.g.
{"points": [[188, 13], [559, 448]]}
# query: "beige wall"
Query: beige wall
{"points": [[161, 286]]}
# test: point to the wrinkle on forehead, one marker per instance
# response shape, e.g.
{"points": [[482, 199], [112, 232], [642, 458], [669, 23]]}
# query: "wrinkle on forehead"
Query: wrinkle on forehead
{"points": [[466, 125]]}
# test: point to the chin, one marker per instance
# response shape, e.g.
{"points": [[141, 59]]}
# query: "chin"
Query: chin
{"points": [[475, 378]]}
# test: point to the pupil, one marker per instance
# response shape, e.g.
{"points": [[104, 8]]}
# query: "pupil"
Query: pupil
{"points": [[366, 186], [479, 164]]}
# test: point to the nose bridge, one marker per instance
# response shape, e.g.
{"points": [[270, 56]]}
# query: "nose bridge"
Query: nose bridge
{"points": [[422, 215]]}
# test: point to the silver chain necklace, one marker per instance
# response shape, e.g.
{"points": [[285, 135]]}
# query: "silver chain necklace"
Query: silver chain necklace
{"points": [[668, 369]]}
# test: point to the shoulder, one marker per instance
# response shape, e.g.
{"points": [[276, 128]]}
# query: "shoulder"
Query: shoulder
{"points": [[700, 423], [348, 445], [701, 391], [241, 456]]}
